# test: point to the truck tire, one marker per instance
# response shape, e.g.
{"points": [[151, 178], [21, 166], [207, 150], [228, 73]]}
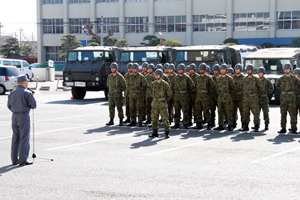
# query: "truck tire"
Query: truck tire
{"points": [[2, 90], [106, 93], [78, 93], [277, 96]]}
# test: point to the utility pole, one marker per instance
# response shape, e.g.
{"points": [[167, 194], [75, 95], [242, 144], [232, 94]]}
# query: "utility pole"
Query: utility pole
{"points": [[20, 35], [0, 28], [101, 30]]}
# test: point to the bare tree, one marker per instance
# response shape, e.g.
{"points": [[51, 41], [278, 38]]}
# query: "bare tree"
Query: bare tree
{"points": [[89, 28]]}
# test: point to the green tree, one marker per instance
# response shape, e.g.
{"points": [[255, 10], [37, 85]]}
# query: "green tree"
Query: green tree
{"points": [[122, 43], [27, 51], [295, 42], [68, 42], [10, 47], [172, 43], [230, 40], [152, 40], [93, 44], [267, 45], [110, 41]]}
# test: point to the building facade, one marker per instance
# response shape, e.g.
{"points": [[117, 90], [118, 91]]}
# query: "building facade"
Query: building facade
{"points": [[192, 22]]}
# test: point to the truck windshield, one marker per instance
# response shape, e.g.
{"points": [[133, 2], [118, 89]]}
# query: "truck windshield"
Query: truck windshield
{"points": [[200, 56], [90, 56], [272, 66], [142, 56]]}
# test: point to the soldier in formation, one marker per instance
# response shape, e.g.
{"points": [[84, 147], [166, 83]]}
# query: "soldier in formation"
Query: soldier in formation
{"points": [[193, 75], [297, 90], [165, 77], [150, 77], [166, 70], [126, 76], [214, 95], [237, 97], [230, 71], [172, 74]]}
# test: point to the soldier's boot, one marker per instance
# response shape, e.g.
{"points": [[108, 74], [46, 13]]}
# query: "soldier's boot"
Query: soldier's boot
{"points": [[266, 126], [121, 122], [111, 122], [294, 131], [198, 126], [132, 123], [219, 128], [140, 124], [230, 128], [191, 123], [209, 126], [154, 133], [127, 120], [243, 124], [176, 126], [246, 127], [234, 125], [185, 126], [167, 134], [144, 118], [283, 130], [213, 124], [256, 128]]}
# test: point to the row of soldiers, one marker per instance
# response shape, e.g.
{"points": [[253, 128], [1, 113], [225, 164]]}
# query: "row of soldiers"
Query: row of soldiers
{"points": [[149, 94]]}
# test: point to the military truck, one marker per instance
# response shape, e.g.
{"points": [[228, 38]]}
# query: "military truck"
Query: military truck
{"points": [[274, 59], [87, 68]]}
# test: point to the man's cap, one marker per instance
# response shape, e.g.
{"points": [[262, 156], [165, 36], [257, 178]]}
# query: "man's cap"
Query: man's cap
{"points": [[22, 78]]}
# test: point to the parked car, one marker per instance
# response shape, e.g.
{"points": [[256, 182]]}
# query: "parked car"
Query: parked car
{"points": [[8, 78], [22, 66]]}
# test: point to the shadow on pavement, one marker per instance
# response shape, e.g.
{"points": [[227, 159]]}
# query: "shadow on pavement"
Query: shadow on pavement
{"points": [[8, 168], [146, 143], [193, 133], [79, 101], [247, 136], [282, 138]]}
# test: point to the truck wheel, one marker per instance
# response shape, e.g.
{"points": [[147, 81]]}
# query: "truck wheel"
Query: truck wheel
{"points": [[78, 93], [2, 90], [106, 93], [277, 96]]}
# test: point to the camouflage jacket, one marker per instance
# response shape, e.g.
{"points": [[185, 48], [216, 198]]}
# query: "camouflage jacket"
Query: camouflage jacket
{"points": [[165, 78], [297, 93], [238, 93], [126, 76], [194, 79], [288, 85], [204, 86], [171, 77], [116, 84], [182, 86], [225, 86], [137, 85], [149, 79], [268, 87], [144, 74], [161, 94], [252, 86], [214, 93]]}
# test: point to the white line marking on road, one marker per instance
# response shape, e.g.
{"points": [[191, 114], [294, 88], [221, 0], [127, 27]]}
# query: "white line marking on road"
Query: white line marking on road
{"points": [[95, 141], [189, 145], [275, 155]]}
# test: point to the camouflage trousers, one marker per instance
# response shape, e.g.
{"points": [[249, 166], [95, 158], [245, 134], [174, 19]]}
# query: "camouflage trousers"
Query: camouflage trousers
{"points": [[237, 104], [192, 107], [163, 111], [127, 110], [264, 106], [298, 105], [182, 104], [251, 104], [148, 108], [136, 108], [115, 102], [288, 106], [171, 108], [213, 106], [202, 106], [225, 109]]}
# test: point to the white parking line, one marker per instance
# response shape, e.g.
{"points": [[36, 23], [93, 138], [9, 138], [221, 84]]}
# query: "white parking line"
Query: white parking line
{"points": [[94, 141], [189, 145], [275, 155]]}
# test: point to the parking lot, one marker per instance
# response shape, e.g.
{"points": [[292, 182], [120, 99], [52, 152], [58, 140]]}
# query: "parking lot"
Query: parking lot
{"points": [[94, 161]]}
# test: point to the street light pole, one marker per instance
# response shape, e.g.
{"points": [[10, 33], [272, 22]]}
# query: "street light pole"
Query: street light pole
{"points": [[101, 30], [160, 34]]}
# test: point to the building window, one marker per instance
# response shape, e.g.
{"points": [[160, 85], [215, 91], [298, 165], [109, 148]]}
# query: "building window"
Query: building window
{"points": [[52, 53], [76, 24], [209, 23], [108, 24], [135, 0], [251, 21], [79, 1], [170, 24], [52, 1], [107, 1], [53, 26], [288, 20], [136, 24]]}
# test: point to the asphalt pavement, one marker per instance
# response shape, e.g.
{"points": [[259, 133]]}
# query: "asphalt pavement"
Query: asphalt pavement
{"points": [[94, 161]]}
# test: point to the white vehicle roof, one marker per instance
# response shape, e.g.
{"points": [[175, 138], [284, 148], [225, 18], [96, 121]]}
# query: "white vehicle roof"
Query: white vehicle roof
{"points": [[274, 53], [146, 48], [95, 48], [201, 47], [244, 48]]}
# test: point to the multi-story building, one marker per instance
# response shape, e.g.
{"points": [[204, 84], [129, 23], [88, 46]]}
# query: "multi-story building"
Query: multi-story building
{"points": [[192, 22]]}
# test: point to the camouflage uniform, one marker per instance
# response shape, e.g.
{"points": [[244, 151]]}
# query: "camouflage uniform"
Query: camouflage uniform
{"points": [[116, 85], [150, 79], [161, 93], [288, 85], [213, 102], [251, 88], [171, 101], [225, 86], [297, 93], [237, 97], [127, 112], [193, 95], [263, 97], [137, 85], [181, 87]]}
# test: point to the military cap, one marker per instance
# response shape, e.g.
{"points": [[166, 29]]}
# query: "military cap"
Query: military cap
{"points": [[145, 64], [114, 65], [238, 66], [151, 65], [129, 65], [202, 66], [261, 69], [230, 70], [288, 66], [181, 66], [216, 67], [135, 66], [171, 66], [159, 72], [250, 67], [297, 71], [159, 66], [22, 78], [166, 65], [193, 66]]}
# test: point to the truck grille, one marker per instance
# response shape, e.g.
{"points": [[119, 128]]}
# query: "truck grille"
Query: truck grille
{"points": [[82, 77]]}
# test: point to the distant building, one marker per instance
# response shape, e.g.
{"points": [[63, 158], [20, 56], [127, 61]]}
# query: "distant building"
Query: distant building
{"points": [[192, 22]]}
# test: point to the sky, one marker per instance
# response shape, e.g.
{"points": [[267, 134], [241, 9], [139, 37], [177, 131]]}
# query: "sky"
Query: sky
{"points": [[16, 15]]}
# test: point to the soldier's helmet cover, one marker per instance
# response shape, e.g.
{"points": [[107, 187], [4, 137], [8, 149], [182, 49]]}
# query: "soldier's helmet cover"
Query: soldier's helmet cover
{"points": [[203, 66], [135, 66], [159, 72], [166, 65], [187, 68], [216, 67], [250, 67], [159, 66], [238, 66], [152, 66], [114, 65], [297, 71], [145, 64], [181, 66], [129, 65], [171, 66], [230, 70], [288, 66], [193, 66], [208, 68], [261, 69], [224, 66]]}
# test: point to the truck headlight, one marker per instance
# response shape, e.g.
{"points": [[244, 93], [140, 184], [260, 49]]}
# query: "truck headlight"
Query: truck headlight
{"points": [[97, 78], [66, 78], [272, 81]]}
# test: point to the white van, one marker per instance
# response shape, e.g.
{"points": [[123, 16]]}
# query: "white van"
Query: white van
{"points": [[22, 66]]}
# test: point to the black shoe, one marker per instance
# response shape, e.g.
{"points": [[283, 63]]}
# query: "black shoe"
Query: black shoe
{"points": [[154, 133], [256, 128], [127, 120], [148, 122], [234, 125], [160, 120], [230, 128], [133, 123], [198, 126], [121, 122], [185, 126], [209, 126], [171, 119], [27, 163], [213, 124], [111, 122], [245, 127], [190, 124], [167, 134], [294, 131], [266, 126], [16, 163], [219, 128], [283, 130], [140, 124], [144, 118], [176, 126]]}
